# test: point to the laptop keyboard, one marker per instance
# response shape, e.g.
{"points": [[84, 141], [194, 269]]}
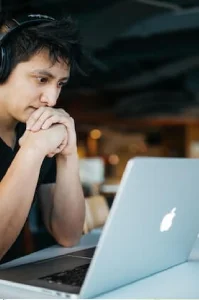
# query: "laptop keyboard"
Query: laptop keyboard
{"points": [[74, 277]]}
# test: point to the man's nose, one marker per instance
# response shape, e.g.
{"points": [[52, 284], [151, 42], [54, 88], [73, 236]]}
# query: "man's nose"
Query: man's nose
{"points": [[50, 96]]}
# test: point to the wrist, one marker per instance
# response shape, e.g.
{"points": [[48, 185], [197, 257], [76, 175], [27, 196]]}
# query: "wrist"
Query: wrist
{"points": [[68, 156], [32, 153], [69, 160], [34, 148]]}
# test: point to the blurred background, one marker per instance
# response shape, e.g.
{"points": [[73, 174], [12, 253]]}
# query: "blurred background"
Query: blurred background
{"points": [[141, 95]]}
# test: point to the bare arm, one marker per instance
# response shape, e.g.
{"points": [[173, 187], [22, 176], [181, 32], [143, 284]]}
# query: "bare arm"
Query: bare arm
{"points": [[18, 186], [16, 194], [63, 206], [63, 203]]}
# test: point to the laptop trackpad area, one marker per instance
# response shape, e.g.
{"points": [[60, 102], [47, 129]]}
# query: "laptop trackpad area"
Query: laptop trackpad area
{"points": [[68, 280], [88, 253], [44, 268]]}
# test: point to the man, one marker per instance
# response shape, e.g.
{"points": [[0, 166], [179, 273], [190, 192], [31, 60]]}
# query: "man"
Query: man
{"points": [[38, 152]]}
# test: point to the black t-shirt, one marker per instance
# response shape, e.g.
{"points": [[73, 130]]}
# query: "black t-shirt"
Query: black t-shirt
{"points": [[47, 175]]}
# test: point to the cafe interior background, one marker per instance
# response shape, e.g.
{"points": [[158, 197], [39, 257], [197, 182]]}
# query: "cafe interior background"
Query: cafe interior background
{"points": [[139, 97]]}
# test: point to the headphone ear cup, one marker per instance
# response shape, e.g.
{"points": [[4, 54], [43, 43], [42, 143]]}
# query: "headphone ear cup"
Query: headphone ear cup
{"points": [[4, 64], [5, 51]]}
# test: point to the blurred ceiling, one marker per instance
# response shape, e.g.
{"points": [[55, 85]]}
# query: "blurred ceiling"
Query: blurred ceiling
{"points": [[144, 53]]}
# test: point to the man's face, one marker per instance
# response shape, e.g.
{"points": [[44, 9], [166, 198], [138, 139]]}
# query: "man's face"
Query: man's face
{"points": [[33, 84]]}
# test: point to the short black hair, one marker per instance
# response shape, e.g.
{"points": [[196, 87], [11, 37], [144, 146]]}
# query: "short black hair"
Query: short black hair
{"points": [[60, 37]]}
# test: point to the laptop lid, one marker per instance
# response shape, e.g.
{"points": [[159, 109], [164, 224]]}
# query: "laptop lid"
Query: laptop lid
{"points": [[179, 282], [152, 225]]}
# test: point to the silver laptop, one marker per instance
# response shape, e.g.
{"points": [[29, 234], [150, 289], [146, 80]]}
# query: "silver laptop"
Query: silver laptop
{"points": [[152, 226]]}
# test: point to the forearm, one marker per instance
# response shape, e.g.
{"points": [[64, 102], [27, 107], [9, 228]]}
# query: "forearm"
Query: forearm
{"points": [[17, 190], [68, 211]]}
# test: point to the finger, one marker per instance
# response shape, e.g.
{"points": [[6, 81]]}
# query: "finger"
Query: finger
{"points": [[34, 117], [63, 112], [20, 142], [62, 146], [71, 133], [59, 149], [51, 154], [39, 123], [54, 120], [22, 138]]}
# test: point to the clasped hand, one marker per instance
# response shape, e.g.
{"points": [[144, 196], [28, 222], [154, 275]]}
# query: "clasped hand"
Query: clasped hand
{"points": [[44, 118]]}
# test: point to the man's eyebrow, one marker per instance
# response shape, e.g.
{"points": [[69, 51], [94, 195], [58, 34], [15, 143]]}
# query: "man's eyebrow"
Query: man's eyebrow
{"points": [[46, 73]]}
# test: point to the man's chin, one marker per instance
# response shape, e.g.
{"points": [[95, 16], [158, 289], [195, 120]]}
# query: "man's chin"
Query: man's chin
{"points": [[29, 112], [26, 115]]}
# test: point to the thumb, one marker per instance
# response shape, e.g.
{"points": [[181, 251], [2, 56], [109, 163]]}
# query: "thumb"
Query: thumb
{"points": [[22, 138], [21, 141]]}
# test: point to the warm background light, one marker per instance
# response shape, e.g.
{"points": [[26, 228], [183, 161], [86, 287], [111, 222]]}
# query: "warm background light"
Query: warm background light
{"points": [[113, 159], [95, 134]]}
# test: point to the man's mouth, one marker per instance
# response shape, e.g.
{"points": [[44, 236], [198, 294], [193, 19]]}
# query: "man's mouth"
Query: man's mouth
{"points": [[32, 107]]}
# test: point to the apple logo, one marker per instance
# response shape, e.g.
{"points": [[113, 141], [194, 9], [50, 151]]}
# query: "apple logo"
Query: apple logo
{"points": [[167, 220]]}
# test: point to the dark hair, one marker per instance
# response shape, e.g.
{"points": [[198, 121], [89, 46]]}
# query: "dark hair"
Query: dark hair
{"points": [[60, 37]]}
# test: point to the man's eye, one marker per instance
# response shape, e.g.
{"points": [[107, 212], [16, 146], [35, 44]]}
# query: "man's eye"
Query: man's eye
{"points": [[62, 83], [42, 79]]}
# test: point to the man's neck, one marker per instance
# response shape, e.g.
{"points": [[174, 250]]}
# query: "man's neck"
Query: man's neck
{"points": [[7, 129], [9, 138], [7, 123]]}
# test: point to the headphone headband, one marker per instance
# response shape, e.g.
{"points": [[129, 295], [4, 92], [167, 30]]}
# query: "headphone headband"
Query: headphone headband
{"points": [[32, 19]]}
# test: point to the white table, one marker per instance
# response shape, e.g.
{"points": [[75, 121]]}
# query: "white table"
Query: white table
{"points": [[149, 287]]}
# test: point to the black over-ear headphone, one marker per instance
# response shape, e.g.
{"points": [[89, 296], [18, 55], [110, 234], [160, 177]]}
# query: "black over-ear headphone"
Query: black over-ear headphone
{"points": [[32, 19]]}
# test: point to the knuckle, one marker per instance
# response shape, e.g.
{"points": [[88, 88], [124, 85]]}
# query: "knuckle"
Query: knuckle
{"points": [[47, 113], [34, 118]]}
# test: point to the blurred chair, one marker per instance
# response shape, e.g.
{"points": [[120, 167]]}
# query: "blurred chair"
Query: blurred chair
{"points": [[97, 211]]}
